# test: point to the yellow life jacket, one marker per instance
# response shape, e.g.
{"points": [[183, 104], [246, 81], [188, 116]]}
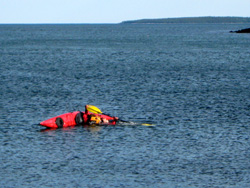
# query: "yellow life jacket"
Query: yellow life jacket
{"points": [[95, 119]]}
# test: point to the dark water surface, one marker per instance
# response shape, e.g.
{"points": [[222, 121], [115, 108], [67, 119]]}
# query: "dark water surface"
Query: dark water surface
{"points": [[192, 81]]}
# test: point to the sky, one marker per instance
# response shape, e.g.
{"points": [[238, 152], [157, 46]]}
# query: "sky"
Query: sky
{"points": [[115, 11]]}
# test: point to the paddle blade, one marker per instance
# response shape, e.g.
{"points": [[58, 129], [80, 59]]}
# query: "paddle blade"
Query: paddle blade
{"points": [[93, 109], [147, 124]]}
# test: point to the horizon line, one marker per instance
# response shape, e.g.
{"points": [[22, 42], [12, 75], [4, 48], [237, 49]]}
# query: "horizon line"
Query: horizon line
{"points": [[44, 23], [47, 23]]}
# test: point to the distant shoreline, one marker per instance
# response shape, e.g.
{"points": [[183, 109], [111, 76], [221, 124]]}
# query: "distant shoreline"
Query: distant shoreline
{"points": [[192, 20], [181, 20]]}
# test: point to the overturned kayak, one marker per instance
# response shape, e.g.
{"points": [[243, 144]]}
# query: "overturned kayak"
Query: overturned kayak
{"points": [[78, 118], [91, 116]]}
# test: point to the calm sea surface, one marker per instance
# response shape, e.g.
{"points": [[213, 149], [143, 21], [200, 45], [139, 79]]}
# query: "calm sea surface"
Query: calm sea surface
{"points": [[191, 81]]}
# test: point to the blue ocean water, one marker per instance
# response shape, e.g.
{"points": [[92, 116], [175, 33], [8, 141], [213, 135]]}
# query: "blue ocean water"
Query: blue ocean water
{"points": [[191, 80]]}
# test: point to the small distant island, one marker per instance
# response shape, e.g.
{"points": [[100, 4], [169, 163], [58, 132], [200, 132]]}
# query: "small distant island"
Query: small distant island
{"points": [[191, 20]]}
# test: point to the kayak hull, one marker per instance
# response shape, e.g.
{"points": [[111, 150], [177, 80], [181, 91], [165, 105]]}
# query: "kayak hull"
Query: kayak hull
{"points": [[64, 120], [72, 119]]}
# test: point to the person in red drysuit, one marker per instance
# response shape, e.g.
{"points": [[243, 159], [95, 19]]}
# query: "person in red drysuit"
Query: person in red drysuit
{"points": [[97, 119]]}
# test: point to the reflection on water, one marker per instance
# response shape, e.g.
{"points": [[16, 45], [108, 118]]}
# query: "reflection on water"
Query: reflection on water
{"points": [[91, 128]]}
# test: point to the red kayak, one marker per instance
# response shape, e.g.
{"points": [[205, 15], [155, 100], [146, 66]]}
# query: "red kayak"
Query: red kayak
{"points": [[78, 118]]}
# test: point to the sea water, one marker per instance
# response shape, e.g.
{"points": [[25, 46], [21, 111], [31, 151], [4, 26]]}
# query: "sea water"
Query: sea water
{"points": [[192, 81]]}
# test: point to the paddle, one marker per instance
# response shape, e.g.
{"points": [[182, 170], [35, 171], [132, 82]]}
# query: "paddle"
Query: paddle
{"points": [[96, 110]]}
